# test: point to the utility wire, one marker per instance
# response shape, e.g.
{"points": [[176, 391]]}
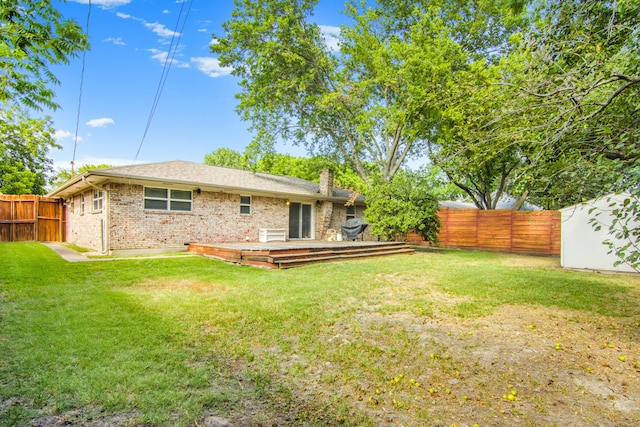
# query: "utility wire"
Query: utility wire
{"points": [[173, 47], [84, 56]]}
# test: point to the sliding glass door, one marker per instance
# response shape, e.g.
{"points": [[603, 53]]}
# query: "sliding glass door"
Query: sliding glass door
{"points": [[300, 221]]}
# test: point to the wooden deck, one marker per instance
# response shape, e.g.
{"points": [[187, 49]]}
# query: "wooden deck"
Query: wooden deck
{"points": [[297, 253]]}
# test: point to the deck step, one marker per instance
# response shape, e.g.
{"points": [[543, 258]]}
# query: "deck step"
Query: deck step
{"points": [[279, 257], [339, 255]]}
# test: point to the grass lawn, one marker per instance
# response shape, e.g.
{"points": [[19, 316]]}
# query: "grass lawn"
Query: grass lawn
{"points": [[433, 339]]}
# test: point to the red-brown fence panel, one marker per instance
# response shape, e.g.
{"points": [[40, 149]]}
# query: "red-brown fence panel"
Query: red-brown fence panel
{"points": [[29, 218], [6, 228], [526, 232]]}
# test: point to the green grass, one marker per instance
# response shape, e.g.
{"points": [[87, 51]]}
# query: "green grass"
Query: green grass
{"points": [[176, 339], [76, 248]]}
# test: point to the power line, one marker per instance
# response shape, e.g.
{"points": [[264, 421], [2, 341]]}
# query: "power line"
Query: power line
{"points": [[84, 56], [171, 53]]}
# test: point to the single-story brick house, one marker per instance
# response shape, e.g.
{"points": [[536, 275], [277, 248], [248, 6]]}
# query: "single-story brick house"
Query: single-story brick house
{"points": [[163, 206]]}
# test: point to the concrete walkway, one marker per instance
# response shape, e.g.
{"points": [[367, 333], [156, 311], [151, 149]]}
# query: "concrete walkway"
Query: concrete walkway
{"points": [[72, 256], [67, 254]]}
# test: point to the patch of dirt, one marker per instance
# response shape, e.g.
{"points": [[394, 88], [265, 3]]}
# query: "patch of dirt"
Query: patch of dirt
{"points": [[88, 418], [565, 368], [248, 412]]}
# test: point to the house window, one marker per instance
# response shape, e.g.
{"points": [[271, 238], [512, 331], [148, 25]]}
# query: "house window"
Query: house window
{"points": [[245, 205], [82, 204], [165, 199], [97, 201], [351, 212]]}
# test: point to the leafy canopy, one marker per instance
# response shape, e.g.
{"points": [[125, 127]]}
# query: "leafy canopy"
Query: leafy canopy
{"points": [[308, 168], [373, 101], [24, 145], [34, 36], [403, 204], [577, 97]]}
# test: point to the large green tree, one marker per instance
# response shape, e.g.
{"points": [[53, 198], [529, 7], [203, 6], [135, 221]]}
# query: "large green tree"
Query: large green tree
{"points": [[589, 60], [226, 157], [458, 142], [377, 98], [33, 37], [557, 122], [573, 108], [24, 146], [404, 204], [308, 168]]}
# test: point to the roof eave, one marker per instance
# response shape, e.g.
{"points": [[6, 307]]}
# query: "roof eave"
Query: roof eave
{"points": [[117, 177], [60, 191]]}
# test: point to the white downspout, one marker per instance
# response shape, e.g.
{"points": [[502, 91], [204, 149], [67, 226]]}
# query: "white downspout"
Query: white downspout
{"points": [[104, 226]]}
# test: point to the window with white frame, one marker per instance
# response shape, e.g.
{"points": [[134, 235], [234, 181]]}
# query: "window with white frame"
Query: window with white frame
{"points": [[97, 201], [351, 211], [82, 204], [167, 199], [245, 205]]}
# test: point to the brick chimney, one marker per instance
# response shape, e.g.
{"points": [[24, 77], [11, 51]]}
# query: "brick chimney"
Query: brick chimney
{"points": [[326, 182]]}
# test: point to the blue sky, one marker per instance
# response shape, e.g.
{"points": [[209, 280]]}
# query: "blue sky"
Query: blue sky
{"points": [[130, 40]]}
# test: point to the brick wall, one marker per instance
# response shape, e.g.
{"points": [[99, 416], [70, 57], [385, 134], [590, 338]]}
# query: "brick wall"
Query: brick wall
{"points": [[85, 229], [340, 216], [215, 218], [326, 182], [324, 213]]}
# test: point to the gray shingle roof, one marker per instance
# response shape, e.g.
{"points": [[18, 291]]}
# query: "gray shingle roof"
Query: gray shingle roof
{"points": [[181, 172]]}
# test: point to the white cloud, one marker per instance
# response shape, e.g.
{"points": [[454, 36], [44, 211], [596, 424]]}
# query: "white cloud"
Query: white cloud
{"points": [[160, 29], [61, 135], [161, 56], [115, 40], [100, 123], [166, 11], [211, 67], [104, 4], [331, 36]]}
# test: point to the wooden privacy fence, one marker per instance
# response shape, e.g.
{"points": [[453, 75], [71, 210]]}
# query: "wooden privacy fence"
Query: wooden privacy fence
{"points": [[31, 218], [525, 232]]}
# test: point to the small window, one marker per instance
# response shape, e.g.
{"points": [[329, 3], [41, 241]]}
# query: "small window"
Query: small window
{"points": [[180, 200], [351, 212], [245, 205], [164, 199], [97, 201], [82, 204]]}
